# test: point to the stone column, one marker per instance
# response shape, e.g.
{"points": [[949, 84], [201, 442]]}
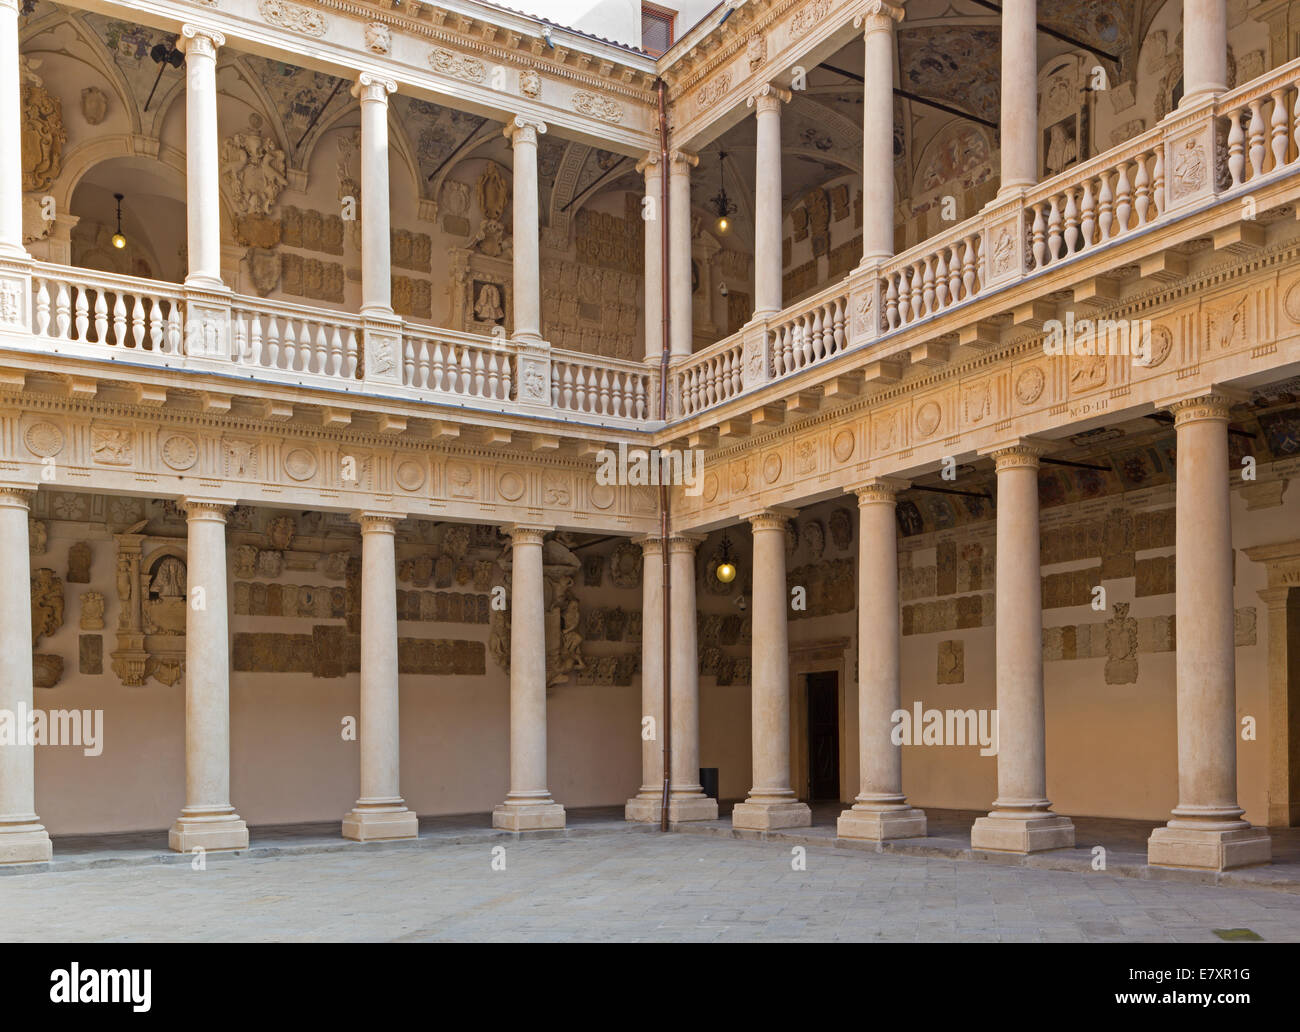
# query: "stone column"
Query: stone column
{"points": [[686, 800], [23, 839], [380, 812], [654, 269], [1021, 820], [11, 168], [880, 810], [528, 805], [1205, 49], [1283, 607], [523, 134], [767, 200], [202, 155], [681, 341], [771, 802], [208, 821], [646, 804], [1019, 117], [1206, 830], [376, 270], [878, 132]]}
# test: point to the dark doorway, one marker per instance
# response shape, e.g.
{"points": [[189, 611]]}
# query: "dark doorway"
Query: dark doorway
{"points": [[824, 736]]}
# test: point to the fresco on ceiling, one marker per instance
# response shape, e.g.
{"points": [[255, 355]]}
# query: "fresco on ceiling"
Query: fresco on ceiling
{"points": [[1103, 24], [960, 65], [435, 131], [129, 44], [596, 164], [296, 94]]}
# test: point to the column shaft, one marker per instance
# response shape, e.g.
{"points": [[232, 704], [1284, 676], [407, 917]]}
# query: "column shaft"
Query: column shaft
{"points": [[1019, 121], [1205, 49], [880, 810], [654, 270], [1021, 820], [878, 134], [681, 341], [772, 802], [646, 804], [380, 812], [1206, 830], [202, 156], [11, 166], [687, 801], [527, 269], [23, 839], [376, 272], [208, 820], [528, 806], [767, 200]]}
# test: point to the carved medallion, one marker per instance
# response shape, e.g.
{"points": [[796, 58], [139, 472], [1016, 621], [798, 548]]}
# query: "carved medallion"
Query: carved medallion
{"points": [[842, 445], [450, 63], [379, 38], [111, 445], [180, 451], [511, 485], [602, 496], [710, 486], [1029, 385], [772, 467], [44, 439], [300, 464], [409, 475], [1162, 342], [928, 417]]}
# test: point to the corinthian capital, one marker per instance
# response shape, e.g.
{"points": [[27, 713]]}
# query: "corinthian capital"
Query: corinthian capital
{"points": [[683, 161]]}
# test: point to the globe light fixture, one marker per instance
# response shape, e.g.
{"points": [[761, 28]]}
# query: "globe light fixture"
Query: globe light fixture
{"points": [[725, 571], [722, 205], [119, 241]]}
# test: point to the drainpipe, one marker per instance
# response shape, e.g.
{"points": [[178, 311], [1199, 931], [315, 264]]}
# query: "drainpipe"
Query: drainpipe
{"points": [[666, 723]]}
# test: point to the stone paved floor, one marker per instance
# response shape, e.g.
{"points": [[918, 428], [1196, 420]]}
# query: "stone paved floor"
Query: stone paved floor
{"points": [[612, 886]]}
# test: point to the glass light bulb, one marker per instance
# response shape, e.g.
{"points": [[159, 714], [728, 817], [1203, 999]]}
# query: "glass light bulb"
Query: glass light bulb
{"points": [[723, 224], [725, 572], [119, 241]]}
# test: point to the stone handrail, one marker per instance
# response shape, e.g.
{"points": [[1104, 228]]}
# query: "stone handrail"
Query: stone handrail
{"points": [[598, 386], [88, 312], [460, 364]]}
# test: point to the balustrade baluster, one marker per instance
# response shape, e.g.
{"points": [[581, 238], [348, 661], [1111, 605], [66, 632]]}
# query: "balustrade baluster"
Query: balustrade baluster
{"points": [[156, 325], [137, 323], [1142, 189], [1087, 221], [1055, 230], [1123, 201], [891, 302], [1257, 149], [175, 330], [1105, 208], [1038, 237], [101, 318], [62, 312], [1236, 150], [1278, 127], [42, 308]]}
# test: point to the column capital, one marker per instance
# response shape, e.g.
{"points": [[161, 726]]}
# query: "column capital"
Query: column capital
{"points": [[878, 15], [370, 86], [527, 534], [649, 165], [878, 490], [1211, 403], [522, 129], [199, 39], [650, 544], [769, 97], [771, 518], [684, 544], [214, 509], [681, 161], [376, 520], [1016, 452], [15, 495]]}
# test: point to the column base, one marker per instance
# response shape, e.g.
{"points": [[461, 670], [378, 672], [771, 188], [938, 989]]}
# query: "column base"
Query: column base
{"points": [[692, 808], [877, 825], [207, 833], [363, 825], [547, 816], [768, 816], [1208, 849], [25, 844], [643, 809], [1022, 834]]}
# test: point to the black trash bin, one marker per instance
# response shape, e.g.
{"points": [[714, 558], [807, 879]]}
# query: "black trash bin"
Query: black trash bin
{"points": [[709, 779]]}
